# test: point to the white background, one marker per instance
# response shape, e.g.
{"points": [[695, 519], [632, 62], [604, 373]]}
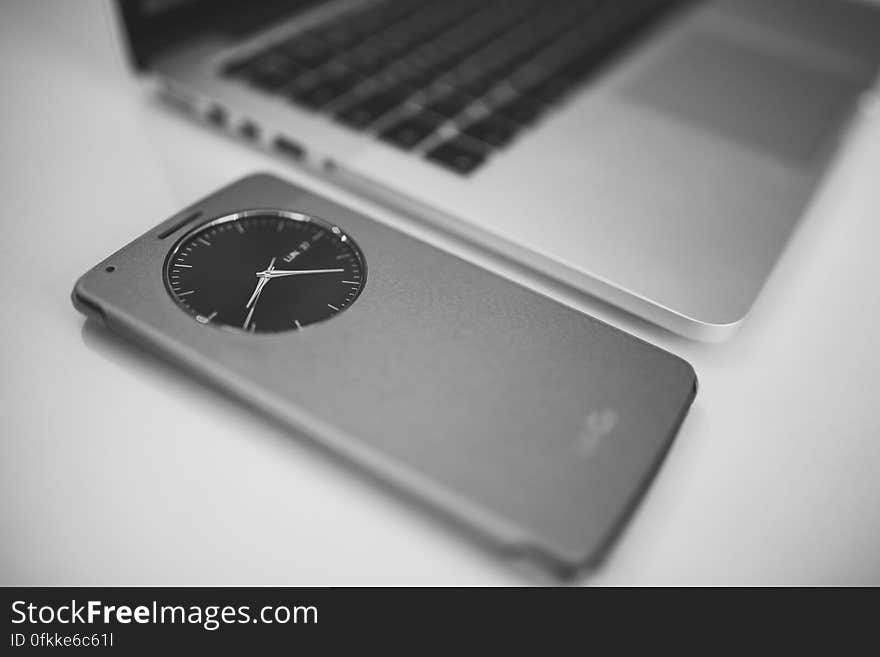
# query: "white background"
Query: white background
{"points": [[114, 469]]}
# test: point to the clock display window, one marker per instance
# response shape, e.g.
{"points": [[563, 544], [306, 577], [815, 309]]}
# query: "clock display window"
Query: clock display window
{"points": [[265, 271]]}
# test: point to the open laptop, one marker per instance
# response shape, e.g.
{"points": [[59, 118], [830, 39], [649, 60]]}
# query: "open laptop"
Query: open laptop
{"points": [[655, 154]]}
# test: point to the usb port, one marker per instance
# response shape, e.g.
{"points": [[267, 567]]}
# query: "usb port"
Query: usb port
{"points": [[217, 116], [289, 148], [249, 131]]}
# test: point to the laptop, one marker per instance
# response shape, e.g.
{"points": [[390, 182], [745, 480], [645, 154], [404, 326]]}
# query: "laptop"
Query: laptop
{"points": [[655, 154]]}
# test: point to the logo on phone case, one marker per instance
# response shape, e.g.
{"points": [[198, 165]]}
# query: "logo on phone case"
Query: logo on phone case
{"points": [[597, 425]]}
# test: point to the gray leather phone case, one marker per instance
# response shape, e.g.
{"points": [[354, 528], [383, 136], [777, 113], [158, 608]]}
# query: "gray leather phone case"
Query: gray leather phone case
{"points": [[533, 425]]}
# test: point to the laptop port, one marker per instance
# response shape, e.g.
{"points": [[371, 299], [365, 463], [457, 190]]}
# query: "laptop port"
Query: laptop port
{"points": [[178, 99], [289, 148], [217, 116], [249, 131]]}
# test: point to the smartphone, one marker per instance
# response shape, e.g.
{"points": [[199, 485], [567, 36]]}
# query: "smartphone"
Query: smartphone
{"points": [[532, 425]]}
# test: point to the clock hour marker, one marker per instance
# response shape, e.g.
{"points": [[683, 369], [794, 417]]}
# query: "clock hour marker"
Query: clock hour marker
{"points": [[330, 305], [204, 241], [179, 265], [343, 256], [298, 325], [183, 294], [350, 282]]}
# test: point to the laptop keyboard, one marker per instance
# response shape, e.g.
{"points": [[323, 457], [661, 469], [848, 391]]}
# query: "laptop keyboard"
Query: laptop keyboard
{"points": [[454, 81]]}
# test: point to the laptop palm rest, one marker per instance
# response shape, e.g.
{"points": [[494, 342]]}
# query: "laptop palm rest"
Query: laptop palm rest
{"points": [[769, 103]]}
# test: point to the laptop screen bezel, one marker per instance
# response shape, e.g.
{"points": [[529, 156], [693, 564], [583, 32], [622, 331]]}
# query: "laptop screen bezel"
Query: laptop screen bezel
{"points": [[152, 26]]}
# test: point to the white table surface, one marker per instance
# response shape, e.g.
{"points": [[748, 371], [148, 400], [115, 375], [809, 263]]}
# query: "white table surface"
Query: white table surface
{"points": [[115, 469]]}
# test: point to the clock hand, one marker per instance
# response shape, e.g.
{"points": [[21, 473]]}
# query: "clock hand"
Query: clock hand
{"points": [[278, 273], [256, 295], [260, 284], [252, 302], [247, 320]]}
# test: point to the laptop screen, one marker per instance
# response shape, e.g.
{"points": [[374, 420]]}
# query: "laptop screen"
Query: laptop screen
{"points": [[152, 25]]}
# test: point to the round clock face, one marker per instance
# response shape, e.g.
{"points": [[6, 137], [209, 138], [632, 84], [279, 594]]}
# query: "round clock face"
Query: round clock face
{"points": [[265, 271]]}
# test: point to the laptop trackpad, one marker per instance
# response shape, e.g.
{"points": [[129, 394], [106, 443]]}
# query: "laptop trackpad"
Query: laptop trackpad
{"points": [[773, 104]]}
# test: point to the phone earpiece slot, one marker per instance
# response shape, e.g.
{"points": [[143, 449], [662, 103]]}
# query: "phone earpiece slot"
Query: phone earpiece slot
{"points": [[180, 224]]}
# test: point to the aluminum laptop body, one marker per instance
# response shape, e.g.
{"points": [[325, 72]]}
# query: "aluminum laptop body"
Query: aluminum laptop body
{"points": [[667, 182]]}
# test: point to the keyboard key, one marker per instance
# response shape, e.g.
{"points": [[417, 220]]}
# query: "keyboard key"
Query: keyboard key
{"points": [[268, 71], [366, 59], [301, 84], [270, 80], [235, 67], [307, 51], [366, 111], [364, 65], [406, 81], [327, 90], [340, 36], [549, 90], [412, 130], [471, 82], [451, 104], [492, 130], [417, 80], [321, 95], [380, 16], [458, 155], [520, 110]]}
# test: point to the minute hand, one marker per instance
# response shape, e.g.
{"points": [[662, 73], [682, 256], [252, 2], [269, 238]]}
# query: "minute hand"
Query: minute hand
{"points": [[278, 273]]}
